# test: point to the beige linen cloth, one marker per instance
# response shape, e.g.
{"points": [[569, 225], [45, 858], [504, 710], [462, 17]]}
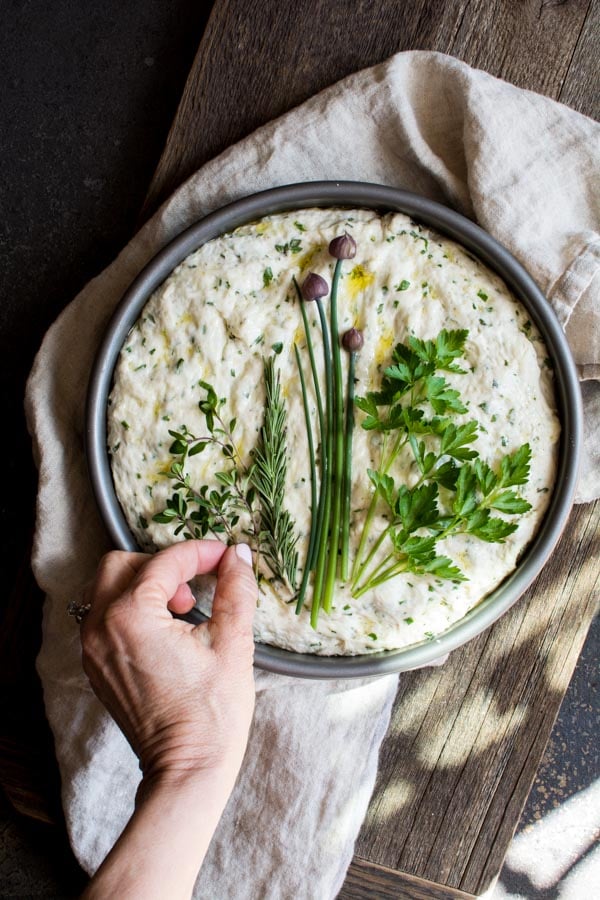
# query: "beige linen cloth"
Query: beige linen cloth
{"points": [[523, 166]]}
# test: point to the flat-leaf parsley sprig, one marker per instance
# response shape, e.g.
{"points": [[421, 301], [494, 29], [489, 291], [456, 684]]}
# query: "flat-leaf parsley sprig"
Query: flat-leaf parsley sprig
{"points": [[416, 519], [412, 387]]}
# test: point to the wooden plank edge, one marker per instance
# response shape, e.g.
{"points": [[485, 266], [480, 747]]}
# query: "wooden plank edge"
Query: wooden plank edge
{"points": [[365, 880]]}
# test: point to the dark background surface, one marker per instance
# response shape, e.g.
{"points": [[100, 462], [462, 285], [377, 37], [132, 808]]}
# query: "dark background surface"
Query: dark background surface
{"points": [[87, 97], [88, 94]]}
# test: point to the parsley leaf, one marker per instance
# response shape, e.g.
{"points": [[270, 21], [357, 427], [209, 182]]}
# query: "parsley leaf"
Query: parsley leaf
{"points": [[455, 491], [514, 468]]}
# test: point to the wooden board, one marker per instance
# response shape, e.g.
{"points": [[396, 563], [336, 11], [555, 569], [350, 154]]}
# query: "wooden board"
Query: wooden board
{"points": [[366, 881], [258, 59], [465, 740]]}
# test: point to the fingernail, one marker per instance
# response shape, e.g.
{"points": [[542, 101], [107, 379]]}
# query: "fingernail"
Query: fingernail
{"points": [[244, 553]]}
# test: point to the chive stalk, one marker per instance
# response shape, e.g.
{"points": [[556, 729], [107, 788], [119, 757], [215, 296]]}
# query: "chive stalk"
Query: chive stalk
{"points": [[325, 506], [337, 467], [352, 342], [326, 533], [341, 247], [313, 289], [316, 513], [313, 488]]}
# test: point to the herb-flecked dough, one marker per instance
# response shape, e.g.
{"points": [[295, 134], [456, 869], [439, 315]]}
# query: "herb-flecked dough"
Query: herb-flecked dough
{"points": [[231, 308]]}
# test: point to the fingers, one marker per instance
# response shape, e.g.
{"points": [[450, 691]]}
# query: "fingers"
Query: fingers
{"points": [[235, 598], [158, 581], [115, 573], [182, 601]]}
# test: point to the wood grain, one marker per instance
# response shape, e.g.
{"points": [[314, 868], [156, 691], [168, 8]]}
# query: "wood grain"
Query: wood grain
{"points": [[366, 881], [465, 740], [518, 41], [257, 61], [581, 87]]}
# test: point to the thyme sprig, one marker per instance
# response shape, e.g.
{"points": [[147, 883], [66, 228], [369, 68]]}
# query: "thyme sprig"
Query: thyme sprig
{"points": [[196, 512], [248, 496]]}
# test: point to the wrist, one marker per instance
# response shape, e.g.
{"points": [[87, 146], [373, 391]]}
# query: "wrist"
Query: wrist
{"points": [[190, 786], [182, 754], [176, 813]]}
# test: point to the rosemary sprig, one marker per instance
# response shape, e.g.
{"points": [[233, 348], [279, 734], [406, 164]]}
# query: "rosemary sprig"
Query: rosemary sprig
{"points": [[277, 535]]}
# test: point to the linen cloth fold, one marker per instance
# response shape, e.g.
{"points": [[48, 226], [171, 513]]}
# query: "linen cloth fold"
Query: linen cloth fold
{"points": [[526, 168]]}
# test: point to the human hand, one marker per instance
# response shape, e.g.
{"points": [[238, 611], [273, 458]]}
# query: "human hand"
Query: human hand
{"points": [[183, 695]]}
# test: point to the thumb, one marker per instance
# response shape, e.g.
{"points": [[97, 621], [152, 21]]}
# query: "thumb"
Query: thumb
{"points": [[235, 599]]}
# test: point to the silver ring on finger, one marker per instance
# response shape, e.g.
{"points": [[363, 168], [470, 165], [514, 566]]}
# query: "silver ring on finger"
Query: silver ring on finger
{"points": [[78, 610]]}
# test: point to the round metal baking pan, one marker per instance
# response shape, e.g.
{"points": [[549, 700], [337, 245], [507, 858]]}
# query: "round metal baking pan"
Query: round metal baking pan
{"points": [[474, 239]]}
